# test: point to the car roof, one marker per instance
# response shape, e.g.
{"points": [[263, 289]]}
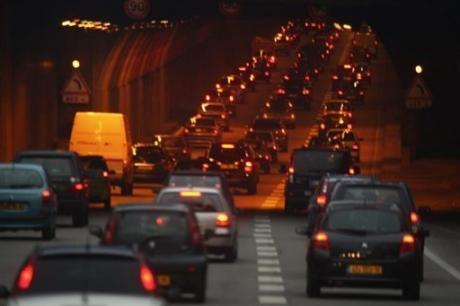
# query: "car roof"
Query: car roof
{"points": [[346, 177], [36, 167], [338, 101], [47, 153], [147, 144], [92, 157], [310, 149], [58, 250], [60, 299], [196, 173], [129, 207]]}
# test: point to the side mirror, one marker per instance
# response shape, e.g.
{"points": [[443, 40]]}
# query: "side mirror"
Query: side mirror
{"points": [[208, 234], [302, 231], [96, 231], [4, 292], [283, 169]]}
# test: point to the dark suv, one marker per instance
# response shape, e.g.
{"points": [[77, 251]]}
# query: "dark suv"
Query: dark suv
{"points": [[307, 167], [67, 180], [237, 161]]}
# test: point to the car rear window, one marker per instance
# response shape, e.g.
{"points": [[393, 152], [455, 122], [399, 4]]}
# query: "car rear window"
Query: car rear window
{"points": [[172, 142], [336, 106], [267, 124], [208, 122], [214, 108], [200, 201], [229, 155], [305, 162], [379, 194], [278, 105], [263, 136], [90, 163], [20, 178], [136, 226], [367, 221], [54, 166], [194, 181], [148, 154], [101, 274]]}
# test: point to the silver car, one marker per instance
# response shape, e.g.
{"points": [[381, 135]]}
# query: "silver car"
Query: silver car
{"points": [[214, 213], [217, 111], [84, 299]]}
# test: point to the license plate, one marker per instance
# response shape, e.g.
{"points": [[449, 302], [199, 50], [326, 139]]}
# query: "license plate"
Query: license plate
{"points": [[199, 130], [164, 280], [365, 269], [145, 167], [228, 167], [12, 206]]}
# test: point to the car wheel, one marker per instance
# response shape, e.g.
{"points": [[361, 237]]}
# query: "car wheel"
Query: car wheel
{"points": [[313, 287], [108, 203], [80, 215], [252, 187], [231, 254], [126, 188], [200, 293], [49, 232], [411, 291]]}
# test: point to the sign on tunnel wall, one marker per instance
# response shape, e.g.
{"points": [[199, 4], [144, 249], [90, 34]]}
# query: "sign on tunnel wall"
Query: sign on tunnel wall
{"points": [[76, 90], [137, 9]]}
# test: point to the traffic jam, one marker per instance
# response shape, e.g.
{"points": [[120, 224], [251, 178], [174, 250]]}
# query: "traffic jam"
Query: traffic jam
{"points": [[359, 231]]}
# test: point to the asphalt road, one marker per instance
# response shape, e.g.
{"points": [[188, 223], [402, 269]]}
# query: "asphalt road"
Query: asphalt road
{"points": [[271, 265]]}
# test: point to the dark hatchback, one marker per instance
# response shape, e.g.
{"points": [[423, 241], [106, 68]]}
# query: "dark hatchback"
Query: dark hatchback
{"points": [[362, 244], [97, 174], [67, 179], [307, 167], [151, 163], [169, 237]]}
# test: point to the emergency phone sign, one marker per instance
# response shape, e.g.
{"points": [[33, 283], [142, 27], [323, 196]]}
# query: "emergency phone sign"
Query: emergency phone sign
{"points": [[137, 9]]}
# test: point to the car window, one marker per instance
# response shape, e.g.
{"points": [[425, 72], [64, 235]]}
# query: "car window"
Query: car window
{"points": [[348, 136], [148, 154], [228, 155], [54, 166], [20, 178], [369, 193], [93, 164], [200, 201], [194, 181], [172, 142], [214, 108], [364, 220], [208, 122], [136, 226], [324, 161], [102, 274], [279, 105], [267, 124]]}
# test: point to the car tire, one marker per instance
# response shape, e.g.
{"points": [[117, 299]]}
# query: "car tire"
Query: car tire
{"points": [[49, 233], [252, 187], [126, 188], [231, 255], [411, 291], [108, 203], [313, 289], [80, 216]]}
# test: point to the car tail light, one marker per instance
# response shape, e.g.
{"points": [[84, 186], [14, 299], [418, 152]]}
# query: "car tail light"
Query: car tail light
{"points": [[414, 218], [46, 197], [147, 278], [355, 146], [25, 277], [215, 132], [78, 187], [267, 157], [283, 131], [231, 98], [321, 241], [248, 166], [272, 59], [242, 68], [186, 131], [340, 93], [291, 170], [307, 78], [316, 70], [321, 200], [359, 76], [205, 167], [217, 85], [252, 77], [322, 126], [243, 86], [280, 91], [105, 174], [335, 77], [351, 171], [207, 97], [407, 244], [323, 56], [195, 235], [349, 126], [109, 232], [368, 55], [223, 220], [267, 73], [305, 92], [223, 116]]}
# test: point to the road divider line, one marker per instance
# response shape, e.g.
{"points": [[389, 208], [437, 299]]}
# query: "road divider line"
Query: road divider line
{"points": [[268, 299], [270, 279], [267, 254], [263, 269], [267, 262], [271, 288], [442, 263], [264, 241], [262, 235], [266, 248]]}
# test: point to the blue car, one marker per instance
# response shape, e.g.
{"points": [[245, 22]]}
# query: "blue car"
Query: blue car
{"points": [[27, 201]]}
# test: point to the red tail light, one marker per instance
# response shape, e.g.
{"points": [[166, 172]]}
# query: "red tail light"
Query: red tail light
{"points": [[267, 73], [281, 91], [25, 277], [248, 166], [207, 97], [321, 241], [291, 170], [205, 167], [361, 93], [321, 200], [46, 197], [109, 232], [349, 126], [307, 78], [414, 218], [316, 71], [340, 93], [351, 171], [231, 98], [322, 126], [186, 131], [335, 77], [355, 146], [147, 279], [223, 220], [223, 116], [195, 235], [305, 92], [78, 186], [105, 174], [272, 59], [286, 77], [359, 76], [407, 244], [216, 132], [267, 157], [243, 86]]}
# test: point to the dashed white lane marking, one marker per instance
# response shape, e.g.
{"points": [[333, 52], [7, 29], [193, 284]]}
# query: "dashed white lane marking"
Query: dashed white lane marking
{"points": [[442, 263], [262, 230], [275, 198], [264, 241], [262, 221], [268, 262], [268, 269], [262, 235], [267, 254], [266, 248], [259, 225], [269, 299], [271, 288], [270, 279]]}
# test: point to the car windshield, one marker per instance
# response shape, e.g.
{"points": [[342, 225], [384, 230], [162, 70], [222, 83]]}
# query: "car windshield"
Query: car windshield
{"points": [[80, 273], [194, 181], [137, 226], [305, 162], [348, 136], [171, 142], [228, 155], [90, 163], [363, 221], [199, 201], [148, 154], [54, 166], [20, 178]]}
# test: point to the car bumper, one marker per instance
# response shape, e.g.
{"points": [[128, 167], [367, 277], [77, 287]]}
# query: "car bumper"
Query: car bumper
{"points": [[34, 222]]}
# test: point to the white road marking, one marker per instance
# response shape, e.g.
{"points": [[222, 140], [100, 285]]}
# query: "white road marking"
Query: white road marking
{"points": [[274, 262], [270, 279], [267, 254], [442, 263], [263, 230], [266, 248], [264, 241], [260, 225], [262, 235], [263, 269], [269, 299], [263, 221], [271, 288]]}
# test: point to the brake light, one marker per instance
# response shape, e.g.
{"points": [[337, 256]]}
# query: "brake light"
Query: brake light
{"points": [[349, 126], [205, 167], [243, 86], [272, 59], [267, 157], [291, 170], [231, 98], [227, 146], [78, 186], [195, 235], [414, 218], [207, 97], [316, 70], [281, 91], [335, 77], [305, 92], [351, 171], [283, 131], [105, 174], [340, 93], [321, 200], [355, 146], [361, 93], [252, 77], [46, 197], [25, 277], [223, 220], [147, 279], [109, 232], [190, 194], [186, 131], [307, 78], [359, 76], [321, 241], [223, 116], [407, 244], [322, 126], [248, 166], [267, 73], [242, 68], [216, 132]]}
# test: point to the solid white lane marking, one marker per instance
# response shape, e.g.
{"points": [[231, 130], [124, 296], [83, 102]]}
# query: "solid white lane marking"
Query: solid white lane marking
{"points": [[267, 262], [267, 254], [264, 241], [266, 248], [269, 269], [442, 263], [270, 279], [269, 299], [271, 288]]}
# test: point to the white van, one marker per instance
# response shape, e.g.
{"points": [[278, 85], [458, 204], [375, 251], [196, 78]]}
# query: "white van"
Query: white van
{"points": [[108, 135]]}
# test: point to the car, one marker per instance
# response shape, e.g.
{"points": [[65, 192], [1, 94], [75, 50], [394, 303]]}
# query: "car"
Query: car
{"points": [[27, 201], [245, 71], [351, 142], [96, 172], [228, 96], [268, 138], [352, 91], [151, 163], [215, 179], [233, 82], [214, 214], [363, 74], [340, 107], [216, 110], [333, 121], [67, 180], [298, 91], [307, 166], [342, 73], [280, 107], [261, 71], [282, 44], [174, 146], [363, 244], [237, 161], [263, 153], [170, 239], [268, 56], [77, 273], [274, 126], [202, 132]]}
